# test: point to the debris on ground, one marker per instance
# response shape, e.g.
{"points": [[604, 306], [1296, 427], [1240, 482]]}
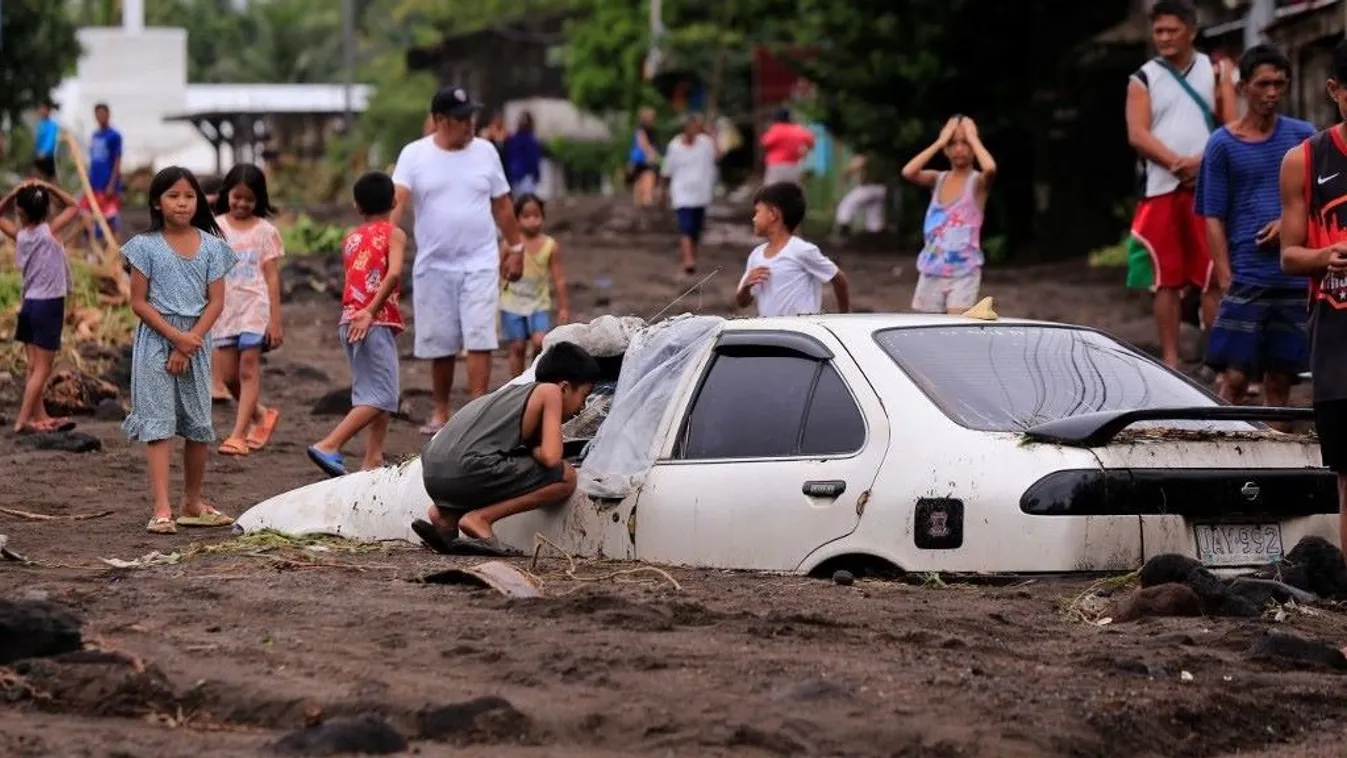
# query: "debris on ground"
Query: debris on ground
{"points": [[481, 720], [494, 575], [61, 442], [1314, 565], [1283, 648], [1162, 600], [74, 392], [37, 629], [366, 735], [1312, 572]]}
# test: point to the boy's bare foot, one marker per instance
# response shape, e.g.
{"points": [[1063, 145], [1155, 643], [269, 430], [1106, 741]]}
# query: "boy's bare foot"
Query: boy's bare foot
{"points": [[472, 526]]}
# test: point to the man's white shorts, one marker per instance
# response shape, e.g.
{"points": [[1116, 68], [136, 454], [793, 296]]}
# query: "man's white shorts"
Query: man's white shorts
{"points": [[454, 311]]}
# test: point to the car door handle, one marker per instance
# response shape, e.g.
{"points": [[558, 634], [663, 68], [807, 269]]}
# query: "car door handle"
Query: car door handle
{"points": [[832, 488]]}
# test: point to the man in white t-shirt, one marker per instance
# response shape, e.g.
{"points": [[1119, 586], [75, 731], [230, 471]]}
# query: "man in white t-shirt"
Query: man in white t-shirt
{"points": [[785, 275], [690, 166], [458, 193]]}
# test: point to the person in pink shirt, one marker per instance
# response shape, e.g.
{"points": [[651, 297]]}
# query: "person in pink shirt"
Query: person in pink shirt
{"points": [[251, 320], [785, 144]]}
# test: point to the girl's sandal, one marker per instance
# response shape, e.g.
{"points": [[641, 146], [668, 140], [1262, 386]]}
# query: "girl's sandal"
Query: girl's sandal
{"points": [[260, 434], [234, 446], [161, 526], [209, 517]]}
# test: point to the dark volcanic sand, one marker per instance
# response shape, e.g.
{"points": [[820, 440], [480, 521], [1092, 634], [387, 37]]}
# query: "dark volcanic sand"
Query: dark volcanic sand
{"points": [[238, 648]]}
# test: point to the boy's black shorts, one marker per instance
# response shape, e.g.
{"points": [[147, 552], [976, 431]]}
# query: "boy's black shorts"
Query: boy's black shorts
{"points": [[1330, 422], [507, 479], [46, 166]]}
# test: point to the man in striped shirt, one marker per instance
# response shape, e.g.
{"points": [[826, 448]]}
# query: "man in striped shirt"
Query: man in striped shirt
{"points": [[1260, 327], [1174, 102]]}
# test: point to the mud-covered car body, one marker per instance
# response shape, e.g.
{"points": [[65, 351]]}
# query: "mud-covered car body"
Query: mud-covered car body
{"points": [[942, 443]]}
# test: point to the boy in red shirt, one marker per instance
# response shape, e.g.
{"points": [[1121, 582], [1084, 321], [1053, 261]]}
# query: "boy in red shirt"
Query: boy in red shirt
{"points": [[370, 322]]}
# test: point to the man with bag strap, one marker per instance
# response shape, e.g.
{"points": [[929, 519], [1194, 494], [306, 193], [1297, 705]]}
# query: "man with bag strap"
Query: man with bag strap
{"points": [[1174, 102]]}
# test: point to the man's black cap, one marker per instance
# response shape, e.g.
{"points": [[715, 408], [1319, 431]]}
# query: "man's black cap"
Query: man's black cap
{"points": [[453, 102]]}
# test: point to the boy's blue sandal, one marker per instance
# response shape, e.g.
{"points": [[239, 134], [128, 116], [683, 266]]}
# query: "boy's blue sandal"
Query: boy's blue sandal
{"points": [[332, 464]]}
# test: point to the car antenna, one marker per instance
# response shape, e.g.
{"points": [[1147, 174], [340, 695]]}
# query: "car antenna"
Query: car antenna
{"points": [[689, 291]]}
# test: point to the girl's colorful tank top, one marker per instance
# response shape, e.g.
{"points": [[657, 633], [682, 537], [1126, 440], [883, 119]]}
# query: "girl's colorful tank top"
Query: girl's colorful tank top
{"points": [[953, 232], [532, 293]]}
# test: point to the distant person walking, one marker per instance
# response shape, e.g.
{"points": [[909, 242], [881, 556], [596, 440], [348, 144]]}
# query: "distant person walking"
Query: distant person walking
{"points": [[524, 157], [1174, 102], [951, 260], [690, 167], [456, 187], [105, 170], [785, 144], [1314, 244], [494, 132], [46, 142], [866, 197], [1260, 327], [643, 160]]}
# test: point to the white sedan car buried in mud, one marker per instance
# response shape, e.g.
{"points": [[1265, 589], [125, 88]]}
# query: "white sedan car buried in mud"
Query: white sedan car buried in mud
{"points": [[927, 443]]}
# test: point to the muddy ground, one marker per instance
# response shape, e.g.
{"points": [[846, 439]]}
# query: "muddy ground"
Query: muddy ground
{"points": [[225, 651]]}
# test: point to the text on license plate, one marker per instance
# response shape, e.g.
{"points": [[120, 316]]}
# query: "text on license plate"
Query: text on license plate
{"points": [[1238, 544]]}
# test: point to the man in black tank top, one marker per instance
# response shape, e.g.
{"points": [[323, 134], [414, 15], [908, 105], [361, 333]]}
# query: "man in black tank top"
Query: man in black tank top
{"points": [[1314, 244]]}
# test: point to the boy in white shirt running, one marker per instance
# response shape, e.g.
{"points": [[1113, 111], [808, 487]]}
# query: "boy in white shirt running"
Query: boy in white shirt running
{"points": [[785, 275]]}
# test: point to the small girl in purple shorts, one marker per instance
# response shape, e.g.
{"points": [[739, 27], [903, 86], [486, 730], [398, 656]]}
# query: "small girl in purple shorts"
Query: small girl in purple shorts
{"points": [[42, 262]]}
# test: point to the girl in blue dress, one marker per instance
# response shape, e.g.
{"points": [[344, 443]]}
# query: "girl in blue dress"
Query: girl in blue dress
{"points": [[177, 291]]}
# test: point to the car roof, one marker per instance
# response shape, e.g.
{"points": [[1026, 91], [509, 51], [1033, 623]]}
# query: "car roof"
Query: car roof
{"points": [[870, 322]]}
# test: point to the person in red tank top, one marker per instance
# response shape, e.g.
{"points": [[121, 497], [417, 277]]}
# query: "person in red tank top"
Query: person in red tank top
{"points": [[1314, 244], [372, 255]]}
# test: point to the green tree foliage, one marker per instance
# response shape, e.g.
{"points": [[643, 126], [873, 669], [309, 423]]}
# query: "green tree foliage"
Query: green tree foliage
{"points": [[37, 48]]}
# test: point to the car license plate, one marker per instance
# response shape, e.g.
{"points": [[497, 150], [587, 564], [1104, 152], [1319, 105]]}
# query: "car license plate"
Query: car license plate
{"points": [[1238, 544]]}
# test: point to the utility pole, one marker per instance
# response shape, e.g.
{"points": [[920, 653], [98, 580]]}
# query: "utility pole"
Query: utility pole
{"points": [[653, 56], [1260, 15], [348, 38]]}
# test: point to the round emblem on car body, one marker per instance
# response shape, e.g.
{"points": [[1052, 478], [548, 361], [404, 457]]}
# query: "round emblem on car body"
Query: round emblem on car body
{"points": [[1250, 491]]}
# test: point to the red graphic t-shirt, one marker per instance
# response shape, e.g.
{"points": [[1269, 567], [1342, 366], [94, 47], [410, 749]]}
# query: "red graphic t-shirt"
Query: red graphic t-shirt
{"points": [[365, 257]]}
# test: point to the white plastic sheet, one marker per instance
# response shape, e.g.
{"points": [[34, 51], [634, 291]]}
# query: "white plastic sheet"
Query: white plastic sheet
{"points": [[656, 361]]}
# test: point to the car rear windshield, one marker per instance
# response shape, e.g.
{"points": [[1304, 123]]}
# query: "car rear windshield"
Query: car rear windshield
{"points": [[1004, 378]]}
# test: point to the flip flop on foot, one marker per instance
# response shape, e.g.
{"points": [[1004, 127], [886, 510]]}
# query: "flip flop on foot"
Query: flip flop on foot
{"points": [[161, 526], [432, 537], [233, 446], [260, 434], [432, 428], [60, 424], [490, 547], [332, 464], [209, 517]]}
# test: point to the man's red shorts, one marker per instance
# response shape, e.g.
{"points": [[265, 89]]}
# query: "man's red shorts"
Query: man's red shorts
{"points": [[1176, 237], [109, 203]]}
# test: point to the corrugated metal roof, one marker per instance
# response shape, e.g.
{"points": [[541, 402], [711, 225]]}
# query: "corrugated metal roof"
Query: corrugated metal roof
{"points": [[273, 98]]}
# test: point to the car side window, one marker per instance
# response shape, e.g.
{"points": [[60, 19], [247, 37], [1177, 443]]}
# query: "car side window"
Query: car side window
{"points": [[764, 404], [834, 424]]}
